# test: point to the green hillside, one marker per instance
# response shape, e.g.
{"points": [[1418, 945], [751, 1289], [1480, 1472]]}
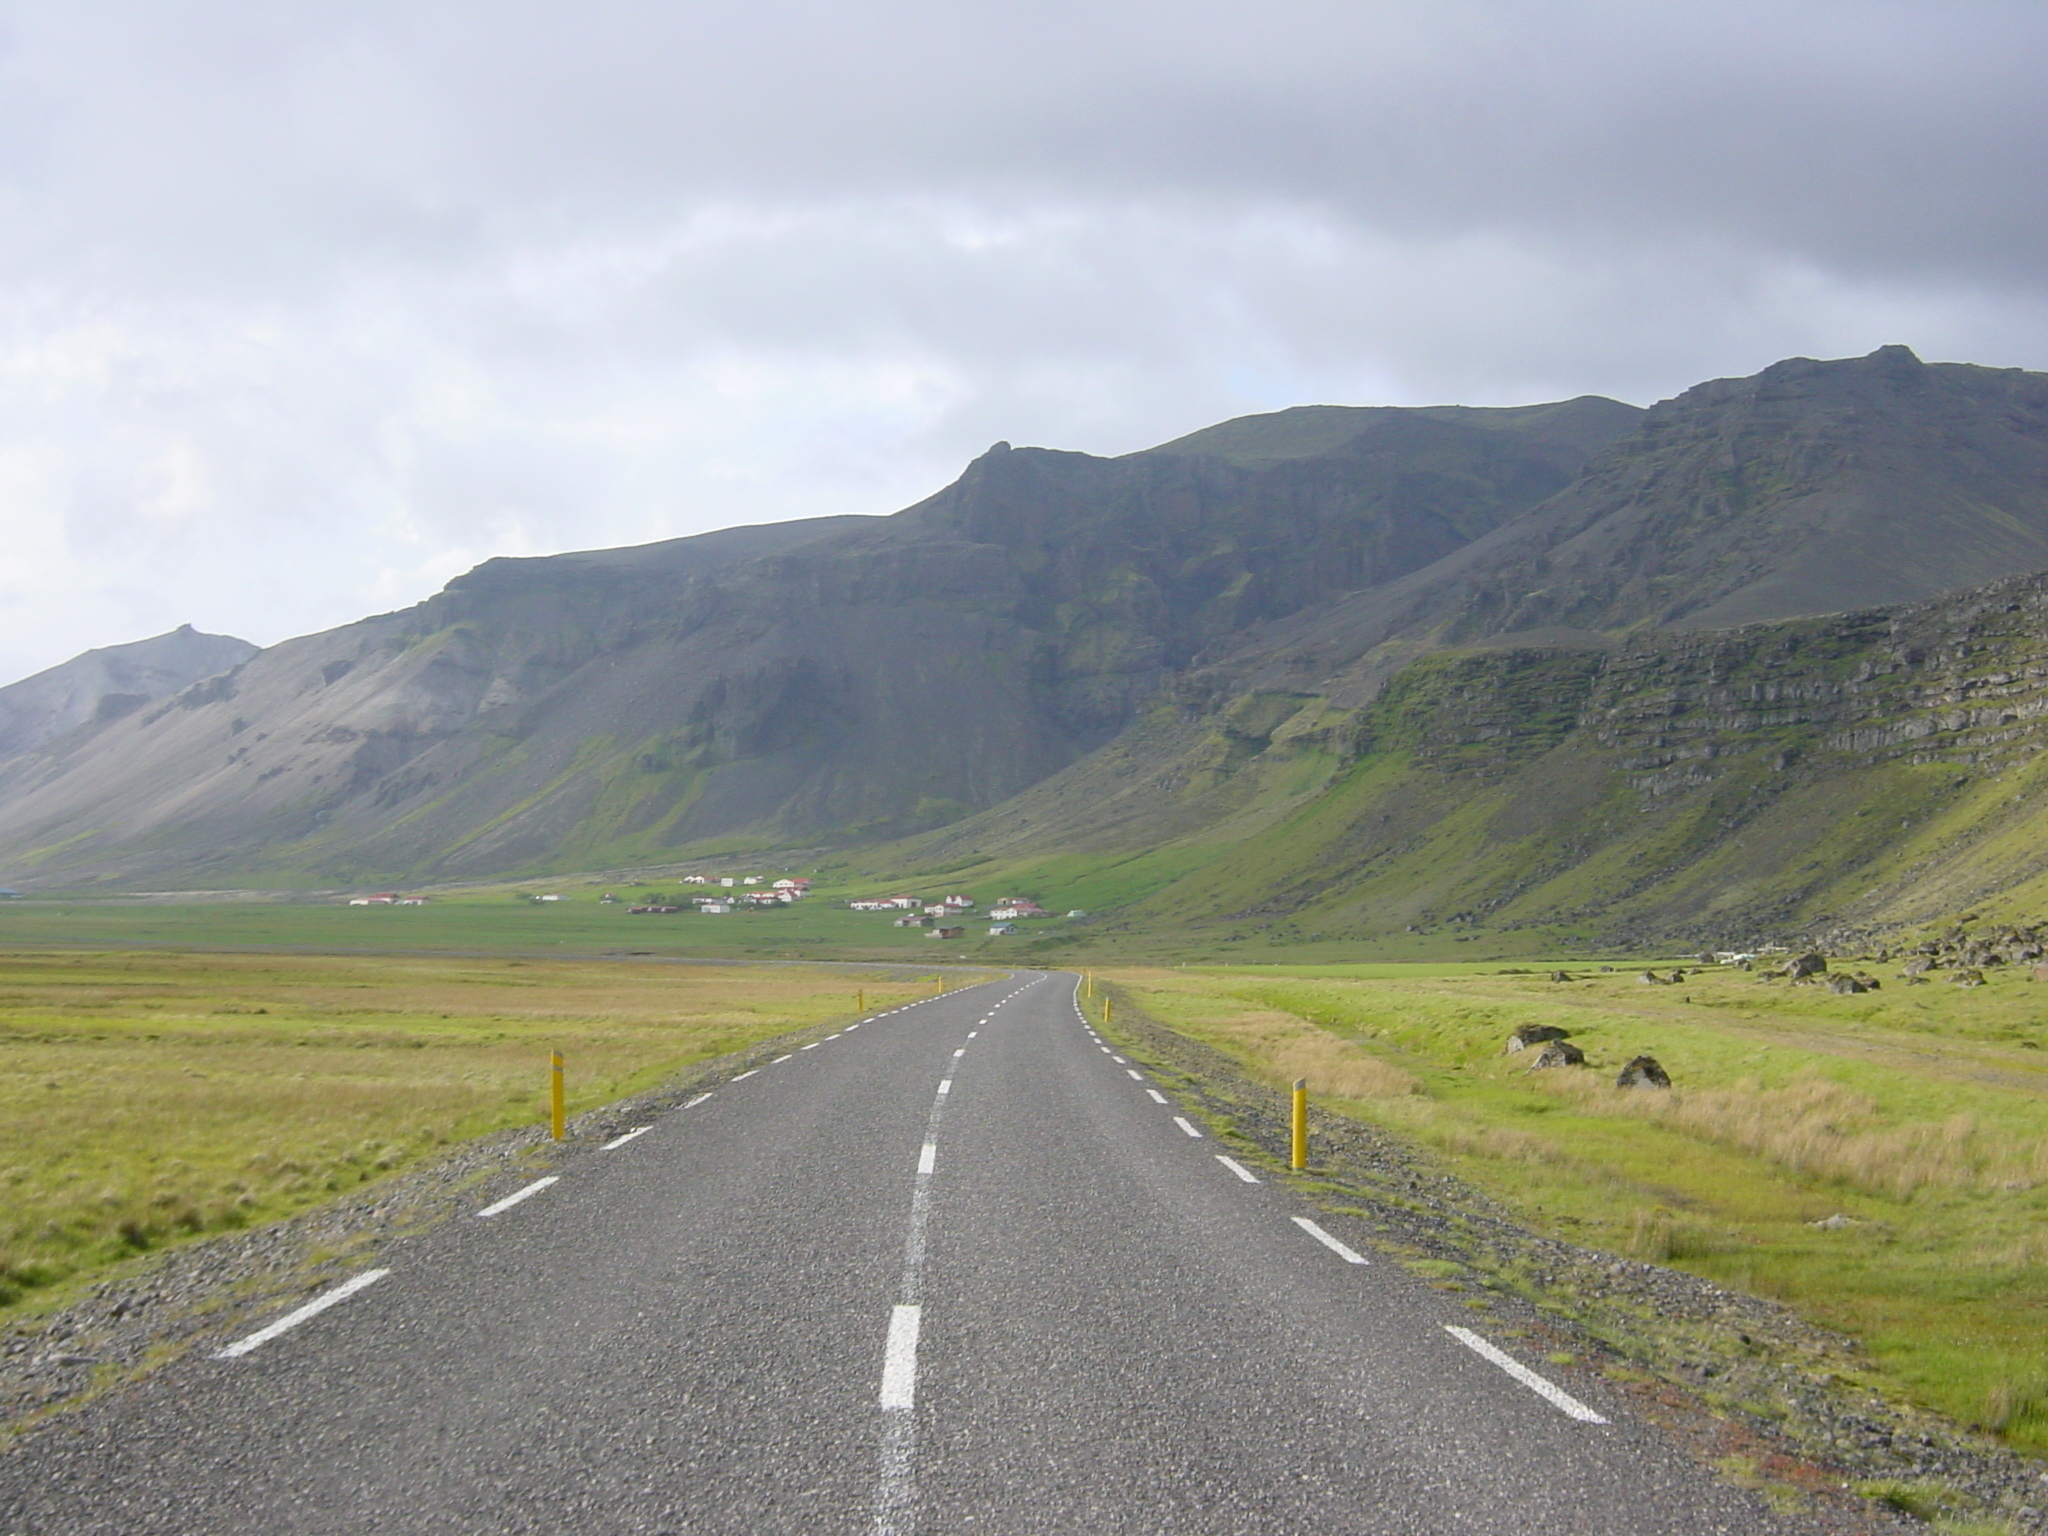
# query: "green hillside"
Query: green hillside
{"points": [[1729, 788]]}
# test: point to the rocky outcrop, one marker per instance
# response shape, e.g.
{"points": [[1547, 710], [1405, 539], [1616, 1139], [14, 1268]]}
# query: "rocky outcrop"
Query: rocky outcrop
{"points": [[1526, 1035], [1643, 1072]]}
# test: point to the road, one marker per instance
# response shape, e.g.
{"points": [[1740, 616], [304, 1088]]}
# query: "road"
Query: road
{"points": [[958, 1268]]}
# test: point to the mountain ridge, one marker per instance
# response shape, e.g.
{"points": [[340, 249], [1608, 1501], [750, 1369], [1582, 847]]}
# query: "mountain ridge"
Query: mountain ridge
{"points": [[103, 684], [855, 680]]}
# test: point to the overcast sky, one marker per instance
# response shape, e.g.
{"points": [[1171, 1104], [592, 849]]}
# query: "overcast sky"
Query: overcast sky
{"points": [[305, 308]]}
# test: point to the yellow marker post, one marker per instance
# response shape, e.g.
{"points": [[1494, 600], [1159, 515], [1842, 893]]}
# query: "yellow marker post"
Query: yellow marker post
{"points": [[1300, 1158], [860, 1002], [1105, 1010], [938, 985], [555, 1092]]}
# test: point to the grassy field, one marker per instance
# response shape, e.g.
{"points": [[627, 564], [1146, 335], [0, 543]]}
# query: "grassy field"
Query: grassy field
{"points": [[492, 920], [154, 1097], [1917, 1114]]}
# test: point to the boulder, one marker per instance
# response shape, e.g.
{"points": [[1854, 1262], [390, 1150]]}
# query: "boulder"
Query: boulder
{"points": [[1967, 979], [1706, 957], [1845, 986], [1651, 979], [1558, 1053], [1526, 1035], [1643, 1072], [2041, 972], [1812, 963], [1560, 975]]}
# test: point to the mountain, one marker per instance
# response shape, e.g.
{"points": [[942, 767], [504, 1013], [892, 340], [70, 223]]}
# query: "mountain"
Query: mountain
{"points": [[1769, 657], [105, 684], [837, 680], [1810, 488]]}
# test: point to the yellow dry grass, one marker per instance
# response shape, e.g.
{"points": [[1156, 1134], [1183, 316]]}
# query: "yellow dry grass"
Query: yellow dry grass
{"points": [[151, 1097], [1822, 1129], [1279, 1048]]}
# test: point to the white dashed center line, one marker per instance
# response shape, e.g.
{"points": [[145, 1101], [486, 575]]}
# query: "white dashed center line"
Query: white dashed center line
{"points": [[959, 1053], [1347, 1254], [1118, 1060], [747, 1074], [1183, 1124], [1155, 1095], [619, 1141], [1552, 1393], [697, 1100], [778, 1061], [899, 1359], [518, 1195], [313, 1308], [813, 1045], [896, 1490], [1237, 1168]]}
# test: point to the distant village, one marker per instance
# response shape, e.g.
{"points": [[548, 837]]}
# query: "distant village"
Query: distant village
{"points": [[946, 918], [915, 912]]}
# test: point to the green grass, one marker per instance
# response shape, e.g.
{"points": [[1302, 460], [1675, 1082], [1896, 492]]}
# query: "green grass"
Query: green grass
{"points": [[155, 1097], [495, 920], [1919, 1113]]}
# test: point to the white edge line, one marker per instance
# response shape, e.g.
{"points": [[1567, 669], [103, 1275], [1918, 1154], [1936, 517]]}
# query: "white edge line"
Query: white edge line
{"points": [[1136, 1077], [1237, 1168], [778, 1061], [697, 1100], [899, 1359], [747, 1074], [518, 1195], [1348, 1254], [1556, 1395], [1156, 1096], [313, 1308], [1186, 1126], [619, 1141]]}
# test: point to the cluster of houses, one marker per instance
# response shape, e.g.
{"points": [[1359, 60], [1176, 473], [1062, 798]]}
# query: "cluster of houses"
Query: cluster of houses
{"points": [[779, 893], [388, 899], [932, 916]]}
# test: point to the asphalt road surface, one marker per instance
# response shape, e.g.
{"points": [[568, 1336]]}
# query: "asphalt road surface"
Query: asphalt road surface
{"points": [[958, 1268]]}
